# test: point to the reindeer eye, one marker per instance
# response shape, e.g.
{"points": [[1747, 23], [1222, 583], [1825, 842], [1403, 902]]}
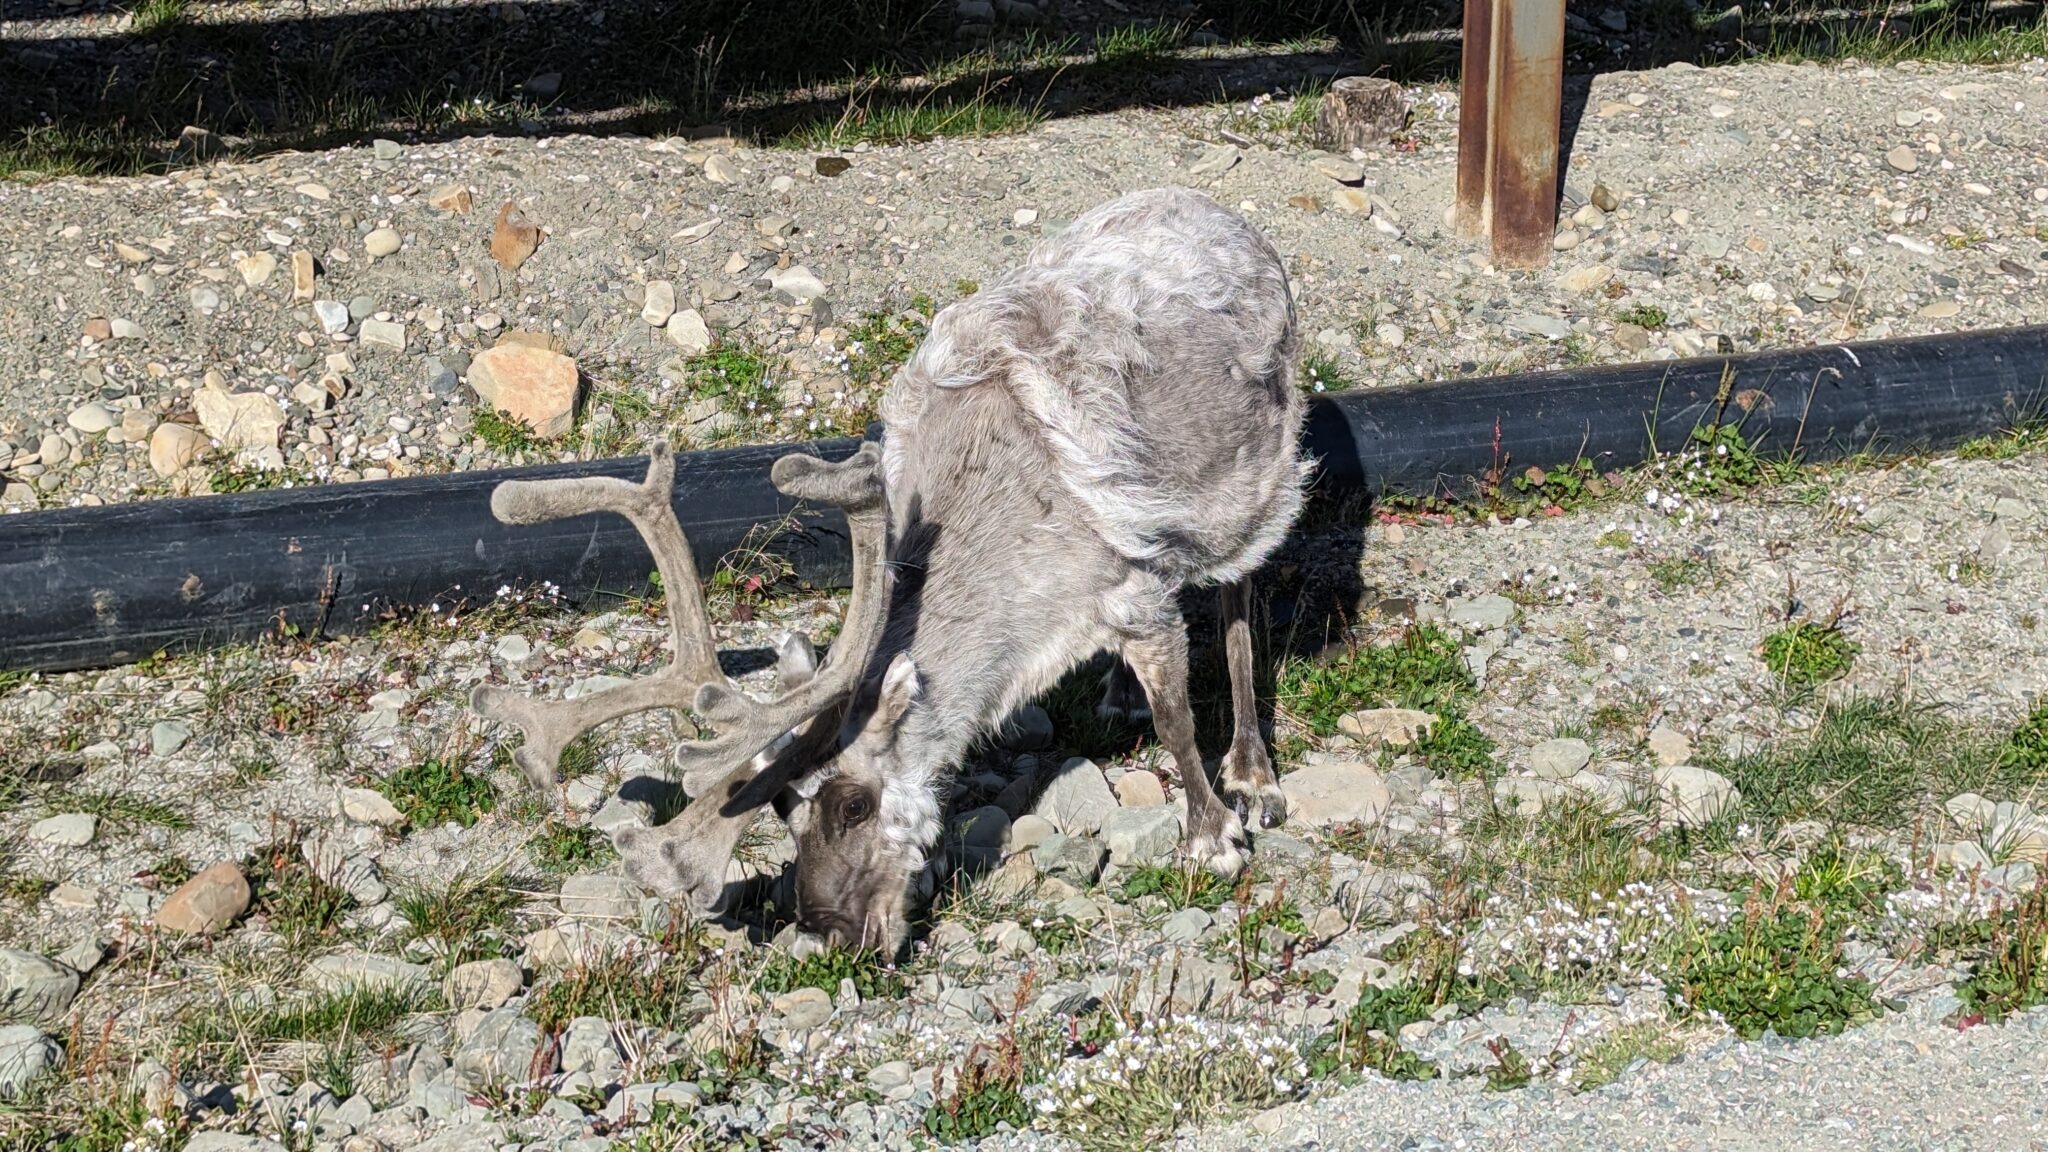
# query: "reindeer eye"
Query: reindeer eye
{"points": [[855, 810]]}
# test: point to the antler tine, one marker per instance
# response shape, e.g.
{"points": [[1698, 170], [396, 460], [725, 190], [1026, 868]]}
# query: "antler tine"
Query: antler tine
{"points": [[549, 725], [747, 725]]}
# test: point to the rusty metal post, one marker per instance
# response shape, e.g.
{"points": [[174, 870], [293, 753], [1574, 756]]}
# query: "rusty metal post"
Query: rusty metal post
{"points": [[1475, 115], [1508, 123]]}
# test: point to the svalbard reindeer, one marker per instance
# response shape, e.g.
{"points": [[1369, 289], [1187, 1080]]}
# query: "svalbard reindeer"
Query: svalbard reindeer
{"points": [[1067, 450]]}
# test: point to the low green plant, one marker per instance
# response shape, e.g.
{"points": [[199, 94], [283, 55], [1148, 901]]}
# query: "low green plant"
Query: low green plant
{"points": [[987, 1092], [872, 976], [1805, 654], [1567, 486], [1455, 747], [560, 847], [649, 985], [2025, 750], [1777, 970], [434, 792], [468, 917], [740, 380], [1510, 1068], [1179, 887], [296, 902], [1676, 572], [1320, 373], [1422, 668], [1369, 1036], [2010, 973], [1643, 316], [503, 434], [1615, 1053]]}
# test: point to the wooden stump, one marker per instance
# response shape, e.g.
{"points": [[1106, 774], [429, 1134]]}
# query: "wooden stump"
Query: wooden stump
{"points": [[1361, 112]]}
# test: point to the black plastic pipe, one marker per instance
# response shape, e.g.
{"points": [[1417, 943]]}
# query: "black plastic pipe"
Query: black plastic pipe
{"points": [[89, 587]]}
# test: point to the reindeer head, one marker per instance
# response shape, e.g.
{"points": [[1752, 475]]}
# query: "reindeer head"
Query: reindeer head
{"points": [[871, 815], [771, 745]]}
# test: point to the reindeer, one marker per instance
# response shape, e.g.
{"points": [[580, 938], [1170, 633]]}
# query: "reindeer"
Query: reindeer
{"points": [[1066, 451]]}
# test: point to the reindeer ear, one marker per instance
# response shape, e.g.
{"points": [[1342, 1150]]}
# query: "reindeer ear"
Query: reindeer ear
{"points": [[900, 687]]}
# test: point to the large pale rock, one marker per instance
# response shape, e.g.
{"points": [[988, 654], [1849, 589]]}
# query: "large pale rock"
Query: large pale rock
{"points": [[531, 385], [688, 331], [239, 420], [26, 1056], [1338, 793], [1140, 790], [484, 984], [1559, 759], [34, 989], [1691, 797], [1138, 835], [65, 830], [366, 971], [207, 902], [1077, 800], [1670, 746]]}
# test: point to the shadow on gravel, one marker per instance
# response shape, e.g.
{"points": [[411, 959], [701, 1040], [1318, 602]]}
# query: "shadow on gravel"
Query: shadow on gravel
{"points": [[116, 96]]}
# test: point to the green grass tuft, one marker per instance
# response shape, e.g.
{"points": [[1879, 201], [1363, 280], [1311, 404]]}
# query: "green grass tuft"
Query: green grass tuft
{"points": [[433, 792], [871, 976], [1804, 654]]}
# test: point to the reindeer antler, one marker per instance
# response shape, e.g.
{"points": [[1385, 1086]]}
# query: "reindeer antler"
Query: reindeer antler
{"points": [[692, 681]]}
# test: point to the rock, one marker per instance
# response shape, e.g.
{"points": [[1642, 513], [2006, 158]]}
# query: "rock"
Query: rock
{"points": [[1185, 926], [720, 169], [1601, 791], [239, 420], [1352, 201], [803, 1008], [984, 828], [1138, 835], [1028, 729], [514, 238], [1526, 795], [831, 165], [1548, 327], [26, 1056], [659, 303], [1962, 856], [601, 898], [1669, 745], [484, 984], [1603, 198], [1339, 169], [1692, 797], [382, 242], [33, 989], [1972, 813], [1341, 792], [1585, 279], [369, 806], [206, 903], [173, 448], [66, 830], [500, 1050], [383, 334], [1027, 832], [1395, 727], [797, 282], [229, 1142], [1077, 800], [167, 736], [1215, 160], [530, 385], [1077, 858], [1483, 613], [366, 971], [451, 198], [92, 419], [302, 276], [686, 330], [1361, 112], [1903, 159], [1558, 759], [1139, 789], [333, 316]]}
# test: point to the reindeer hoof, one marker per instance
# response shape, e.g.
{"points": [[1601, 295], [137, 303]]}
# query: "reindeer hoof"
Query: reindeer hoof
{"points": [[1219, 846]]}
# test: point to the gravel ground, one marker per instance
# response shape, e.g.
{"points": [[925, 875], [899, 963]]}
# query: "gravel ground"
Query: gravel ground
{"points": [[1905, 1083], [1754, 206], [1610, 659]]}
